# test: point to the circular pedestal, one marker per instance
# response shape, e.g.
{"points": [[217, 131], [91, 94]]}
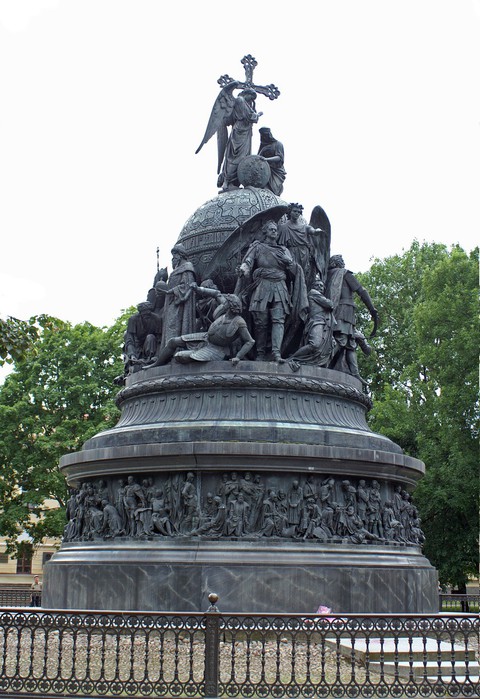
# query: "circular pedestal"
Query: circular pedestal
{"points": [[254, 482], [249, 577]]}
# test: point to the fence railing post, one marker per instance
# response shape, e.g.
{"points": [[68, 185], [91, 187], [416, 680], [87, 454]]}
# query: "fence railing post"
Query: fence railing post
{"points": [[212, 647]]}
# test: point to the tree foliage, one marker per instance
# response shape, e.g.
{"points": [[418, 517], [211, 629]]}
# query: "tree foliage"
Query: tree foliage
{"points": [[60, 394], [424, 382], [17, 337]]}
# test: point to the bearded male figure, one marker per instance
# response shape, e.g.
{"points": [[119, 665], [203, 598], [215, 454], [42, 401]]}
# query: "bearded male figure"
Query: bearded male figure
{"points": [[179, 308]]}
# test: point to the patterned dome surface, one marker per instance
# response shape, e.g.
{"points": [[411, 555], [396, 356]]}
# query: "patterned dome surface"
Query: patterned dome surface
{"points": [[211, 224]]}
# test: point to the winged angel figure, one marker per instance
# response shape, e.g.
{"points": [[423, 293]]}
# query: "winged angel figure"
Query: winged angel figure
{"points": [[239, 113]]}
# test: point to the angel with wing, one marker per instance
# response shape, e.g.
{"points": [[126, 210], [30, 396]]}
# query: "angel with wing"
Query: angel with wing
{"points": [[308, 243], [240, 114]]}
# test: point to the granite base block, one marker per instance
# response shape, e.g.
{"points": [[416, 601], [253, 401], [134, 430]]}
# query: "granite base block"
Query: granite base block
{"points": [[285, 582]]}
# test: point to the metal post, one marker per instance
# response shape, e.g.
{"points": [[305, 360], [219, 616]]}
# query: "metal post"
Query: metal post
{"points": [[212, 647]]}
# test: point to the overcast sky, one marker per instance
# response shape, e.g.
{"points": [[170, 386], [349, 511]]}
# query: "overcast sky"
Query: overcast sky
{"points": [[104, 103]]}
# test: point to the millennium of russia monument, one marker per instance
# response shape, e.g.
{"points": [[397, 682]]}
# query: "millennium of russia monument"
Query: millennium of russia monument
{"points": [[242, 463]]}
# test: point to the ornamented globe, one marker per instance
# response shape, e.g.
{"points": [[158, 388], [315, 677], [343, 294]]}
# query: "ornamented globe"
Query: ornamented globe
{"points": [[219, 231]]}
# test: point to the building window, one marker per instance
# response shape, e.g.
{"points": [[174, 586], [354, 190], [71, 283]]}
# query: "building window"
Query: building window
{"points": [[46, 557], [24, 559], [3, 558]]}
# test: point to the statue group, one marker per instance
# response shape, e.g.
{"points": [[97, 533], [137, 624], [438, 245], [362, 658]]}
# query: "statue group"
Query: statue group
{"points": [[284, 300], [291, 300], [242, 505]]}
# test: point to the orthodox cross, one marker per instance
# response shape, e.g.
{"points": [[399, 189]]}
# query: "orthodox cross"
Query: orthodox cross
{"points": [[249, 63]]}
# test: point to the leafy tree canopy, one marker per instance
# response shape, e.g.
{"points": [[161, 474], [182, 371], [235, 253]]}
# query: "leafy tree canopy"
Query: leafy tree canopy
{"points": [[424, 382], [16, 337], [59, 394]]}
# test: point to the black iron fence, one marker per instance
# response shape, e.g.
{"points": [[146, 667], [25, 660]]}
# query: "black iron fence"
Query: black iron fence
{"points": [[459, 603], [77, 653], [17, 596]]}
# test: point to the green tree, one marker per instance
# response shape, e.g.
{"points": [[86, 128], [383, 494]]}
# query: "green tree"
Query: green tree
{"points": [[17, 337], [424, 380], [59, 395]]}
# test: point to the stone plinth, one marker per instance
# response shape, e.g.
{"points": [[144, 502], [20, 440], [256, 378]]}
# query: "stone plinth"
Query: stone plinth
{"points": [[252, 577], [269, 427]]}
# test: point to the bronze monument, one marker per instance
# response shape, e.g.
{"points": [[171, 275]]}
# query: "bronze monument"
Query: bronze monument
{"points": [[242, 461]]}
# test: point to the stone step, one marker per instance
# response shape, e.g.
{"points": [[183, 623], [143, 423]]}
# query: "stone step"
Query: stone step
{"points": [[431, 670], [419, 649], [460, 679], [418, 657]]}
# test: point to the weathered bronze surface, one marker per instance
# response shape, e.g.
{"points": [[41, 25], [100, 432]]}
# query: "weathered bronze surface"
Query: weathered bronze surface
{"points": [[242, 459]]}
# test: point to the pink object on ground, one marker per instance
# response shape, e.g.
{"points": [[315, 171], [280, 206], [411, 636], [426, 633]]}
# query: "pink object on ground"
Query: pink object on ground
{"points": [[323, 610]]}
